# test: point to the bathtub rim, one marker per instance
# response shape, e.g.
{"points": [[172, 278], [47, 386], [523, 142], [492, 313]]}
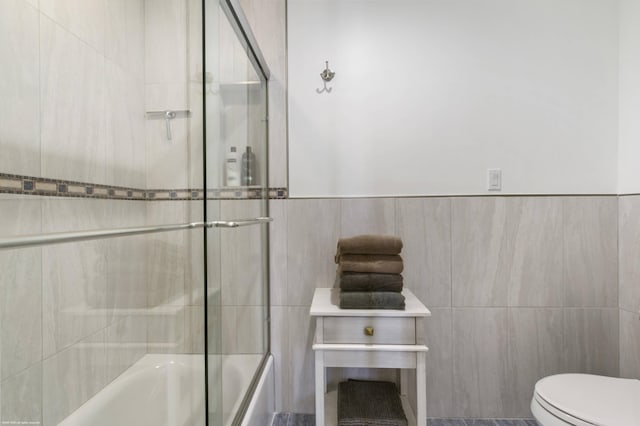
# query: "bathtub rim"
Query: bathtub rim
{"points": [[248, 401], [150, 362], [262, 391]]}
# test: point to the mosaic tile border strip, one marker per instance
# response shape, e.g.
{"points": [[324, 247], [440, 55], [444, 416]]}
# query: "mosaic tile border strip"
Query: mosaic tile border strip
{"points": [[31, 185]]}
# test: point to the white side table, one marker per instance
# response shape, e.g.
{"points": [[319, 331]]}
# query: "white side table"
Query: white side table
{"points": [[369, 338]]}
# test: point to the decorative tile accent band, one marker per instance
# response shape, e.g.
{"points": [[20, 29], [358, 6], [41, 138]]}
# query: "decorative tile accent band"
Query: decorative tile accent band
{"points": [[30, 185]]}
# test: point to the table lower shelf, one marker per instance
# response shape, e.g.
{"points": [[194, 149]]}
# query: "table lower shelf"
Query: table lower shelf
{"points": [[331, 409]]}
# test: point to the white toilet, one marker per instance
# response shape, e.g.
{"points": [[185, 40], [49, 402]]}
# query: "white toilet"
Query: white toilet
{"points": [[586, 399]]}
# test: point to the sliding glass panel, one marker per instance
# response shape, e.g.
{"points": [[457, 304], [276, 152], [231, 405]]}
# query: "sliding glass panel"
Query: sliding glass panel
{"points": [[236, 147], [101, 129], [103, 331]]}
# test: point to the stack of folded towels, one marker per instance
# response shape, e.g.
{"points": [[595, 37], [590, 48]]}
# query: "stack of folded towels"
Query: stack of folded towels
{"points": [[369, 272]]}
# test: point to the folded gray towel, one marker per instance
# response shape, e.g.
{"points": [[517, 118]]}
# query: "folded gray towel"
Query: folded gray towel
{"points": [[373, 263], [363, 281], [368, 244], [369, 403], [371, 300]]}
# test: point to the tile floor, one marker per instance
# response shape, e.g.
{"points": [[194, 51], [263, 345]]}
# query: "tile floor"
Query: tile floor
{"points": [[296, 419]]}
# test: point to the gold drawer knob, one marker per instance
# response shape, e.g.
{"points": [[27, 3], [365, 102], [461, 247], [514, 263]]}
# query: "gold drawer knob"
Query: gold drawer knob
{"points": [[368, 331]]}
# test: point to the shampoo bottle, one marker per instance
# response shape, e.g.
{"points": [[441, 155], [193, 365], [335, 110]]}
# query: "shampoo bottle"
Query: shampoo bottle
{"points": [[232, 172], [249, 168]]}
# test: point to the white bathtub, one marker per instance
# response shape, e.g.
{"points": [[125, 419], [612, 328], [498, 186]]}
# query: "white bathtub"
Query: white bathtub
{"points": [[168, 390]]}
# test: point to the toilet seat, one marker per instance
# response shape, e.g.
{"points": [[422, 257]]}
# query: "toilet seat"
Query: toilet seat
{"points": [[586, 400]]}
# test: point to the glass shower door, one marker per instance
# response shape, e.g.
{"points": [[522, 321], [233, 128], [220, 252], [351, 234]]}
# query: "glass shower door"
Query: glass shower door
{"points": [[237, 200]]}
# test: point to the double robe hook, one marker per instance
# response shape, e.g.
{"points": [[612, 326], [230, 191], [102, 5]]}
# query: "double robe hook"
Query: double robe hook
{"points": [[326, 76]]}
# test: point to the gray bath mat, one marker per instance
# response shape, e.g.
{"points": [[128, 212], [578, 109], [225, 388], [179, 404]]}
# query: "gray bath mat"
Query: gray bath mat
{"points": [[368, 403]]}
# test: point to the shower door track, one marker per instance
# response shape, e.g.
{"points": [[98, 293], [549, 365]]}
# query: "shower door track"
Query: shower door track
{"points": [[70, 237]]}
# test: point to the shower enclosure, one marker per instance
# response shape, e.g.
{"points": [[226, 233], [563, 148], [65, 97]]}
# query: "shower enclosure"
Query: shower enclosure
{"points": [[237, 261], [134, 206]]}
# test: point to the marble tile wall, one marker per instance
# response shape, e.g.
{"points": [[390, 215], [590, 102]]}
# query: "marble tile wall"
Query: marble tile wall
{"points": [[20, 315], [480, 390], [72, 314], [166, 260], [77, 97], [85, 73], [590, 341], [313, 228], [425, 228], [127, 275], [509, 304], [242, 284], [81, 370], [535, 337], [534, 234], [126, 162], [267, 19], [629, 285], [20, 88], [590, 267], [213, 302], [478, 246], [21, 396], [175, 280], [75, 316], [194, 273], [73, 104], [167, 87], [173, 81], [629, 246], [74, 278], [75, 91], [174, 286], [72, 108], [195, 81], [241, 251], [629, 344]]}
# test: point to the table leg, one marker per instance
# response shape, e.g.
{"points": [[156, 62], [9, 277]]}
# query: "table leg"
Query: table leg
{"points": [[320, 388], [404, 381], [421, 389]]}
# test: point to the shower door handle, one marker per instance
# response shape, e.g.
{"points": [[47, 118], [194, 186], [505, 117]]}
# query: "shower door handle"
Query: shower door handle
{"points": [[238, 222]]}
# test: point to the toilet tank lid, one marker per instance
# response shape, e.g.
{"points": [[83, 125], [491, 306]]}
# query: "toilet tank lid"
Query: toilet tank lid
{"points": [[599, 400]]}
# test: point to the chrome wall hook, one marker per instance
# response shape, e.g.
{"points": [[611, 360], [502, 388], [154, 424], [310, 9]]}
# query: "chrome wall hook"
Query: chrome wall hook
{"points": [[327, 74], [324, 89]]}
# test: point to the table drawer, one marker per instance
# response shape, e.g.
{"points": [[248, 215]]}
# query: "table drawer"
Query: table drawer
{"points": [[378, 330]]}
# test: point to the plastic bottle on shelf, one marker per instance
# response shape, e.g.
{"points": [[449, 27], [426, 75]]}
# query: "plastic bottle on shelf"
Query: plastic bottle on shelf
{"points": [[232, 172], [249, 168]]}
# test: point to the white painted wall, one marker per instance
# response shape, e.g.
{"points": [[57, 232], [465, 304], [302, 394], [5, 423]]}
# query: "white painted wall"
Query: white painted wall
{"points": [[629, 137], [430, 94]]}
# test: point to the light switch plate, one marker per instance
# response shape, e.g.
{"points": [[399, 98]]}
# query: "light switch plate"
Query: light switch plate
{"points": [[495, 179]]}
